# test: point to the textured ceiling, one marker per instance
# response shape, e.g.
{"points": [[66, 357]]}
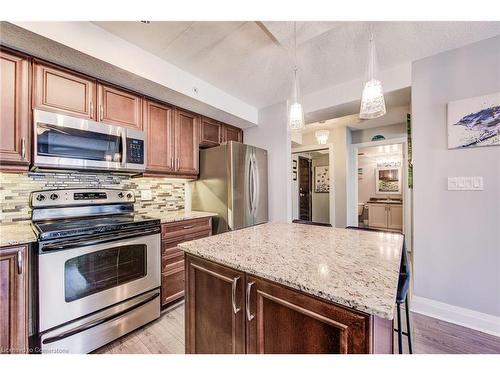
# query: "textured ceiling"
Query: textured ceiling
{"points": [[252, 60]]}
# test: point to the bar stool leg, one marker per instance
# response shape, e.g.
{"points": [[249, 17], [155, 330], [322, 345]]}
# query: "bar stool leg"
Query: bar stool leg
{"points": [[408, 328], [400, 334]]}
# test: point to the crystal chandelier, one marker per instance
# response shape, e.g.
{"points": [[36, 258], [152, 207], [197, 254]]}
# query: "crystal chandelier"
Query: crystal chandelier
{"points": [[372, 99], [322, 136], [295, 111]]}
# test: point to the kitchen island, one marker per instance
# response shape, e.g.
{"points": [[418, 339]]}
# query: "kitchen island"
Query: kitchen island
{"points": [[291, 288]]}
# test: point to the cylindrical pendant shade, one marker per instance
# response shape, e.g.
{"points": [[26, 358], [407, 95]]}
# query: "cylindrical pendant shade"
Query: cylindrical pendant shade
{"points": [[295, 116], [372, 100]]}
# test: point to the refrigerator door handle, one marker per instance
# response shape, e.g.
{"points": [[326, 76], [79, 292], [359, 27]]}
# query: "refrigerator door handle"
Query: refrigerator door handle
{"points": [[256, 184], [250, 184]]}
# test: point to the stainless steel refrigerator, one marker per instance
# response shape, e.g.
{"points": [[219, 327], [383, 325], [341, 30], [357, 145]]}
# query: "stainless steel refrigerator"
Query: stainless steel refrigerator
{"points": [[233, 184]]}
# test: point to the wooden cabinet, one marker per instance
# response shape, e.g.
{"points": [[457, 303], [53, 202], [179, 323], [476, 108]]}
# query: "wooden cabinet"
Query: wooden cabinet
{"points": [[228, 311], [13, 299], [286, 321], [385, 216], [231, 133], [119, 107], [210, 132], [58, 90], [159, 129], [14, 112], [172, 261], [395, 217], [215, 308], [187, 137]]}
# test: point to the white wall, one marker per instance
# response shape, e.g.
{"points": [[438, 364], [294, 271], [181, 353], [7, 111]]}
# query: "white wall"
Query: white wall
{"points": [[457, 234], [272, 134], [320, 201]]}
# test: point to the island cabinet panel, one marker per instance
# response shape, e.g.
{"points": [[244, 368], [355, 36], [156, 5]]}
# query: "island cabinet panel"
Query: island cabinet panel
{"points": [[187, 135], [281, 320], [14, 112], [13, 299], [210, 132], [59, 90], [215, 306], [172, 258], [159, 130], [119, 107]]}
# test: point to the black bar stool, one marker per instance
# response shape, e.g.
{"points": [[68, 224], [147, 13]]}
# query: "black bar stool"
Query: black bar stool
{"points": [[402, 293]]}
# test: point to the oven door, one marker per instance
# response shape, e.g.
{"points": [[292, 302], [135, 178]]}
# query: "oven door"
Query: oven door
{"points": [[84, 279], [67, 142]]}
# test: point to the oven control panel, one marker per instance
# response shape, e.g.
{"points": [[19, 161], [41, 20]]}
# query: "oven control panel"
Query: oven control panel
{"points": [[80, 197]]}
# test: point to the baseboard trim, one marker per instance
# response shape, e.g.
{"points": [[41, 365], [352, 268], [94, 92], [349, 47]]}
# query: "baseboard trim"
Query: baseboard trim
{"points": [[457, 315]]}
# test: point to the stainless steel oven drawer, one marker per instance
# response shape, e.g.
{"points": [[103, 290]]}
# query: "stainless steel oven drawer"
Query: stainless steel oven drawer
{"points": [[96, 330]]}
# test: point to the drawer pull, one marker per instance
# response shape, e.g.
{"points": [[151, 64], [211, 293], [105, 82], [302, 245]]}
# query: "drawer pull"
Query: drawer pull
{"points": [[188, 227]]}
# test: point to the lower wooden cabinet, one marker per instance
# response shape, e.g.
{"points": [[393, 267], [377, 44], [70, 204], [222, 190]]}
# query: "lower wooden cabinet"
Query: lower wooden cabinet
{"points": [[172, 258], [385, 216], [228, 311], [215, 314], [13, 299]]}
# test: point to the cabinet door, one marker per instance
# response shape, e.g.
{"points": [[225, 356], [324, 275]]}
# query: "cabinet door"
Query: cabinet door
{"points": [[283, 321], [377, 215], [59, 90], [13, 300], [14, 111], [187, 127], [119, 107], [395, 217], [232, 133], [215, 305], [159, 129], [210, 132]]}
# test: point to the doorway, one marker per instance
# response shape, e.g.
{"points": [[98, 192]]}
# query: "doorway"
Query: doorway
{"points": [[305, 179]]}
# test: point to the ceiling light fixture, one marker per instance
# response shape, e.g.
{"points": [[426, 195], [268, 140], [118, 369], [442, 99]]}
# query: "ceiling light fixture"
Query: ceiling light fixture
{"points": [[295, 111], [322, 136], [372, 99]]}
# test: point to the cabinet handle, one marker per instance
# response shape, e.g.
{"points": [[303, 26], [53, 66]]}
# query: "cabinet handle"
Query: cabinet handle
{"points": [[20, 262], [188, 227], [172, 163], [23, 148], [233, 295], [101, 112], [178, 163], [91, 109], [249, 290]]}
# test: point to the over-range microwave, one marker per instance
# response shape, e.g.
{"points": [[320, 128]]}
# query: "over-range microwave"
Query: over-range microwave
{"points": [[70, 143]]}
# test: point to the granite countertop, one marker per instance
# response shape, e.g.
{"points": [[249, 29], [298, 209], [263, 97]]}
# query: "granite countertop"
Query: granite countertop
{"points": [[172, 216], [16, 233], [358, 269]]}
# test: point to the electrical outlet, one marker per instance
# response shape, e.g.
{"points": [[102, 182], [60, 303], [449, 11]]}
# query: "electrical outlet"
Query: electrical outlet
{"points": [[146, 195]]}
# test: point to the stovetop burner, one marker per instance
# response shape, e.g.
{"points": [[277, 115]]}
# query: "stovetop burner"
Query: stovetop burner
{"points": [[89, 226]]}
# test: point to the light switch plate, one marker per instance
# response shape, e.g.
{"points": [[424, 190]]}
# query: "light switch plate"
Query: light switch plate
{"points": [[465, 183], [146, 195]]}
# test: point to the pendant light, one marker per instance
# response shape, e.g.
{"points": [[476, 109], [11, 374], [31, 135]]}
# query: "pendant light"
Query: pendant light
{"points": [[372, 99], [295, 111], [322, 136]]}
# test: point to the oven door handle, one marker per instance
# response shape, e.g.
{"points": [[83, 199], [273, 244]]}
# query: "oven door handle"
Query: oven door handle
{"points": [[97, 322], [100, 239]]}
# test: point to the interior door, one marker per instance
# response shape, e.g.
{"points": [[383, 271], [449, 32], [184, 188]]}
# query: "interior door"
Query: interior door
{"points": [[260, 171], [240, 213], [305, 189]]}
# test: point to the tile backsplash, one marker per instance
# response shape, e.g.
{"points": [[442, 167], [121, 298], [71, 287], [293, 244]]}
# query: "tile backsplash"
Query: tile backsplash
{"points": [[15, 189]]}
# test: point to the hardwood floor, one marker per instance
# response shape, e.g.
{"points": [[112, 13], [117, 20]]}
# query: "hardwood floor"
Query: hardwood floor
{"points": [[430, 336]]}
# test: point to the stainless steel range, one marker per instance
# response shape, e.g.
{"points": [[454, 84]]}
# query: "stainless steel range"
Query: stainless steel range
{"points": [[98, 267]]}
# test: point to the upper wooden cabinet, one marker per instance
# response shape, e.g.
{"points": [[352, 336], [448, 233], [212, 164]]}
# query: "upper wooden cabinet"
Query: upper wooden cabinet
{"points": [[59, 90], [215, 308], [210, 132], [187, 137], [13, 299], [14, 112], [231, 133], [119, 107], [159, 129]]}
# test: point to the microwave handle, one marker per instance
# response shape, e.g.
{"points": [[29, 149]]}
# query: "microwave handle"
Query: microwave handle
{"points": [[124, 147]]}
